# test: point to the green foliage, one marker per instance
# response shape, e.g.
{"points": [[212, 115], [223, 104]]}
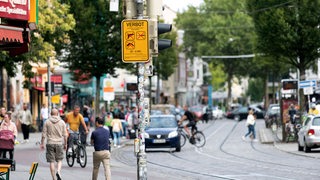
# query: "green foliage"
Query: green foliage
{"points": [[167, 60], [95, 46], [218, 77], [47, 40], [287, 30], [219, 27], [256, 89]]}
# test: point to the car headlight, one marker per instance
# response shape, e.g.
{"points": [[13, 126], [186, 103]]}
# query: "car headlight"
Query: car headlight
{"points": [[173, 134], [146, 135]]}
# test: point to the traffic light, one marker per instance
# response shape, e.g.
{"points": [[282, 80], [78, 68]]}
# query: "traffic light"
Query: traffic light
{"points": [[164, 43]]}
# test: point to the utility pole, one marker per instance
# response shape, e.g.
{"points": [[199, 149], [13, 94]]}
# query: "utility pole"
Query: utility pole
{"points": [[139, 45], [135, 38], [49, 87]]}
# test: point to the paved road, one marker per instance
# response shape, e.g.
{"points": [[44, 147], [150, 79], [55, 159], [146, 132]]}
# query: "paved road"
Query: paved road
{"points": [[30, 152], [123, 162]]}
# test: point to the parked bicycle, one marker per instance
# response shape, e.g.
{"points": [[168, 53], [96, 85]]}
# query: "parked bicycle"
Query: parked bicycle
{"points": [[78, 152], [197, 138]]}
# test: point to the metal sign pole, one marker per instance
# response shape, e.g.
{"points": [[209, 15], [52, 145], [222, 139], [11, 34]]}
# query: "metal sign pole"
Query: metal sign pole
{"points": [[49, 87], [142, 156]]}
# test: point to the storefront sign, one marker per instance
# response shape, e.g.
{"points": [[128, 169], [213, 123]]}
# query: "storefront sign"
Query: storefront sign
{"points": [[14, 9]]}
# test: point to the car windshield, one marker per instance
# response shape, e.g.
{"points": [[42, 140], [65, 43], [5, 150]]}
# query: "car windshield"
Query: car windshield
{"points": [[275, 110], [162, 122], [316, 121]]}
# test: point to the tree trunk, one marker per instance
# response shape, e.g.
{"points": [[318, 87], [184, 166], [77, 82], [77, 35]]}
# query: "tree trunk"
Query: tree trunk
{"points": [[97, 97], [266, 92], [229, 98]]}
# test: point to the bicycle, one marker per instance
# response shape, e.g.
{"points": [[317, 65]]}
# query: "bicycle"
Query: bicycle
{"points": [[78, 152], [197, 138]]}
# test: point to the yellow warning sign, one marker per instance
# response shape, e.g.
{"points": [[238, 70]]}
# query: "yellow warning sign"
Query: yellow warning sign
{"points": [[55, 99], [135, 40]]}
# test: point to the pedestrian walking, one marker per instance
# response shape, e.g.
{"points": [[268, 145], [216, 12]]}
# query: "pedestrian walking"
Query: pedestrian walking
{"points": [[44, 114], [250, 124], [100, 141], [25, 118], [8, 125], [108, 120], [55, 131], [116, 130]]}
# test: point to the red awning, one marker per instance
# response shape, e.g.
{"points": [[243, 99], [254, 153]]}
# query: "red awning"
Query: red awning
{"points": [[39, 88], [10, 34]]}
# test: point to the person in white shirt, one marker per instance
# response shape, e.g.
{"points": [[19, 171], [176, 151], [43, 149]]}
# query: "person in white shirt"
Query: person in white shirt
{"points": [[251, 120], [44, 115], [25, 117]]}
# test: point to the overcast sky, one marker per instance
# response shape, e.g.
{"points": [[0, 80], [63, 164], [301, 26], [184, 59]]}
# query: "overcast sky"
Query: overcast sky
{"points": [[180, 5]]}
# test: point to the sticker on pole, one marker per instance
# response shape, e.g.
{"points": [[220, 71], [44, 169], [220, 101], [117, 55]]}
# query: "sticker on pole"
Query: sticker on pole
{"points": [[135, 41]]}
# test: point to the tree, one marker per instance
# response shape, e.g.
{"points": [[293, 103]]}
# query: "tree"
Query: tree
{"points": [[95, 44], [219, 27], [47, 40], [288, 31], [167, 61]]}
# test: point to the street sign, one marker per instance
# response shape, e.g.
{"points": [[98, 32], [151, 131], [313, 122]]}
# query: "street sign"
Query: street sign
{"points": [[135, 41], [55, 99], [108, 90], [307, 83], [308, 90]]}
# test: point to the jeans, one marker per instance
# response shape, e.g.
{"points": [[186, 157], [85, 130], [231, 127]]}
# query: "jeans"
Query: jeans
{"points": [[124, 127], [73, 136], [116, 138], [251, 130]]}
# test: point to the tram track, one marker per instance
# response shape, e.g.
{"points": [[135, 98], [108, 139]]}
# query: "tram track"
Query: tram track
{"points": [[232, 158]]}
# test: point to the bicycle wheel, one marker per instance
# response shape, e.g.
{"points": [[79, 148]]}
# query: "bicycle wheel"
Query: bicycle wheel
{"points": [[183, 140], [199, 139], [70, 157], [82, 156]]}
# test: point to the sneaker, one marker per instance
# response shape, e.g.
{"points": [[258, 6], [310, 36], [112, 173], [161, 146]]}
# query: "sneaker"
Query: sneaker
{"points": [[114, 145], [69, 151], [119, 146], [58, 176], [243, 138], [27, 140], [255, 140], [16, 142]]}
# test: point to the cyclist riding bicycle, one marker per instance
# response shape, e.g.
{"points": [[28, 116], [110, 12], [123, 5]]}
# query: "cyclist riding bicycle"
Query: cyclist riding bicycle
{"points": [[74, 119], [188, 115]]}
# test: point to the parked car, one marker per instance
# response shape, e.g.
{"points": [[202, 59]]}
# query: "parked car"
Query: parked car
{"points": [[217, 113], [273, 112], [162, 132], [242, 113], [309, 134]]}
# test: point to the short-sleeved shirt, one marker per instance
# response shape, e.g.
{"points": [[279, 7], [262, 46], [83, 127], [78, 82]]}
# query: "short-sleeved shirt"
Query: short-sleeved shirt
{"points": [[100, 137], [189, 115], [74, 121]]}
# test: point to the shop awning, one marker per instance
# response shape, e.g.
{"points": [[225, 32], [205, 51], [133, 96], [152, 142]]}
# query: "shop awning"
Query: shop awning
{"points": [[10, 34], [39, 88]]}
